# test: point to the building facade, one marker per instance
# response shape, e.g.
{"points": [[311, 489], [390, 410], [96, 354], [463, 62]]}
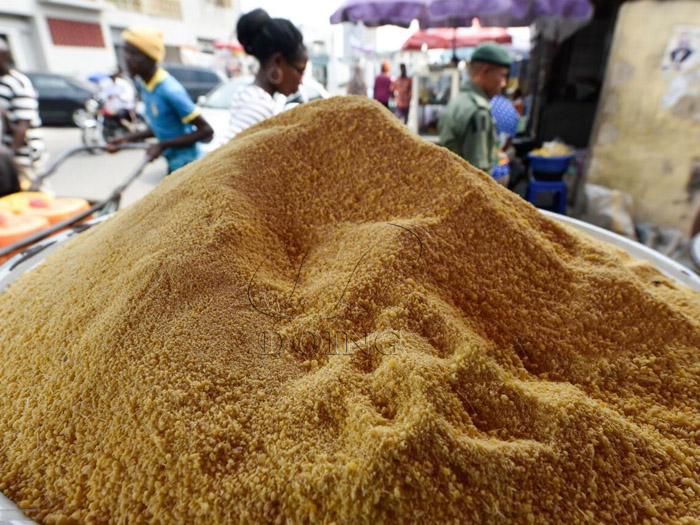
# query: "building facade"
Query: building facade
{"points": [[81, 37]]}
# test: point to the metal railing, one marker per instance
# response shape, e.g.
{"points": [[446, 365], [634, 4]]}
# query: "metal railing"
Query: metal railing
{"points": [[112, 200]]}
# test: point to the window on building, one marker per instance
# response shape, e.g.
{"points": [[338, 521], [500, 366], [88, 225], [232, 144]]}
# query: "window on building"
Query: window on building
{"points": [[220, 3], [167, 8], [130, 5], [75, 33], [205, 45], [172, 54]]}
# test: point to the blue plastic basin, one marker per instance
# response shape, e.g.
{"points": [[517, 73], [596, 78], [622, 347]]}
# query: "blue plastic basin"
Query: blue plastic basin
{"points": [[549, 164]]}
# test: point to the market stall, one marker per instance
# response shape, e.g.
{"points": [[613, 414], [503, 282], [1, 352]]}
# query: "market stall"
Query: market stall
{"points": [[436, 84]]}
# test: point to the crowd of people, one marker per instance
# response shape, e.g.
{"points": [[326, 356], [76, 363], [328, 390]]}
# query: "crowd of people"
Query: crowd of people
{"points": [[173, 119], [467, 128], [385, 88], [479, 123]]}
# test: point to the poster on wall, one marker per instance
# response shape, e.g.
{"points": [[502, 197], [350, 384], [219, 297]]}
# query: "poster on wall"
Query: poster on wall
{"points": [[681, 70]]}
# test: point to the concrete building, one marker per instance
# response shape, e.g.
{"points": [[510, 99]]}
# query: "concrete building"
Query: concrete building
{"points": [[645, 137], [78, 37]]}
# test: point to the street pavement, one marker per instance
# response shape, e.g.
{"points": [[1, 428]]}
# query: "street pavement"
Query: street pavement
{"points": [[94, 177]]}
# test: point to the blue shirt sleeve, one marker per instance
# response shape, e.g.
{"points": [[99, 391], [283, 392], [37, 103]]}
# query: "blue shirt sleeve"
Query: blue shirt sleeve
{"points": [[176, 96], [505, 115]]}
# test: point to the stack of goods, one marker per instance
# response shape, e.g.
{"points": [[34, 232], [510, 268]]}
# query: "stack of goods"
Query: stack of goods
{"points": [[552, 149]]}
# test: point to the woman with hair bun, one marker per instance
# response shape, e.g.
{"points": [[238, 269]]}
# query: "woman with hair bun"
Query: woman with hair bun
{"points": [[279, 47]]}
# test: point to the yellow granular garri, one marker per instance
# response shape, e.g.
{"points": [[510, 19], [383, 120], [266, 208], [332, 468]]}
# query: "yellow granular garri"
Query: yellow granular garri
{"points": [[488, 365]]}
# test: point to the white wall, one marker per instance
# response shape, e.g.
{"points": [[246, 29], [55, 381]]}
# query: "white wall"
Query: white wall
{"points": [[17, 7], [205, 20], [199, 20], [175, 33], [25, 23], [22, 36]]}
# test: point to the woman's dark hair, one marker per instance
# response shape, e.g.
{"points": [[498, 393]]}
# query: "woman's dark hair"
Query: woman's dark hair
{"points": [[262, 36]]}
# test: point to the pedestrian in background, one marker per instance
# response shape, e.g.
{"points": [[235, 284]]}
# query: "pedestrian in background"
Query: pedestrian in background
{"points": [[172, 116], [382, 85], [401, 88], [279, 47], [519, 101], [119, 96], [357, 84], [9, 171], [467, 127], [22, 145]]}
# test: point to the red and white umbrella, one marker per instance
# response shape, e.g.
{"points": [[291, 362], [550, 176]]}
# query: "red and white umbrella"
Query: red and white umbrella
{"points": [[232, 45], [453, 38]]}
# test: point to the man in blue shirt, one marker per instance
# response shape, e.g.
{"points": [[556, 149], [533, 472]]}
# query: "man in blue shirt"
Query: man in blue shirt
{"points": [[172, 117]]}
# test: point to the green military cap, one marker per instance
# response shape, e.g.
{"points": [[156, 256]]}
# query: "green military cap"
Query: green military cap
{"points": [[493, 53]]}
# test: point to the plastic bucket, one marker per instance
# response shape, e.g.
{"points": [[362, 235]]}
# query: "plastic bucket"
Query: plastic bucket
{"points": [[549, 164]]}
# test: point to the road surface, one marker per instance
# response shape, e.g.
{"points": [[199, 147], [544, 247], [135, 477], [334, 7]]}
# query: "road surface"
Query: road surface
{"points": [[94, 177]]}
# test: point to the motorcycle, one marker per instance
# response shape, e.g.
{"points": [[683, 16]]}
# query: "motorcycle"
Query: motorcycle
{"points": [[100, 124]]}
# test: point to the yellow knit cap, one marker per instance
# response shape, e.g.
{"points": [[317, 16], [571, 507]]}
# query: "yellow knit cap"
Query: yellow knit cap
{"points": [[148, 40]]}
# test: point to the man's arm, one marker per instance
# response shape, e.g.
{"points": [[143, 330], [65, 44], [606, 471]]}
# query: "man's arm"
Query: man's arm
{"points": [[475, 145], [19, 132], [203, 131], [453, 125], [131, 137], [25, 107]]}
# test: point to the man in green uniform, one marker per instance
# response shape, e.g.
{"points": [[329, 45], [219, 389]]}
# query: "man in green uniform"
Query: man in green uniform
{"points": [[467, 127]]}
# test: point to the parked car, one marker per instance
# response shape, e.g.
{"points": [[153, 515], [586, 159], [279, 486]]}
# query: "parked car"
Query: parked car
{"points": [[215, 105], [60, 96], [196, 80]]}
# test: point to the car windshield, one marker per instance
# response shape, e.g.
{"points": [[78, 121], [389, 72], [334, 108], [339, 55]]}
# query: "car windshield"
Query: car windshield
{"points": [[220, 96], [84, 84], [312, 92]]}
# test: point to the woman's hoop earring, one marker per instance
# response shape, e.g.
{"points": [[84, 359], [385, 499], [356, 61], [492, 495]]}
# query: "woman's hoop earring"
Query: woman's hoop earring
{"points": [[275, 75]]}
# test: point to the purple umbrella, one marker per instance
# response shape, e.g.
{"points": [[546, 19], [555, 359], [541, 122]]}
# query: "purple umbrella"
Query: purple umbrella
{"points": [[373, 13], [505, 13], [458, 13]]}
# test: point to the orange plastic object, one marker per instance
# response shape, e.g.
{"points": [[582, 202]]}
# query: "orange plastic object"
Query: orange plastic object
{"points": [[15, 227], [19, 202], [56, 210]]}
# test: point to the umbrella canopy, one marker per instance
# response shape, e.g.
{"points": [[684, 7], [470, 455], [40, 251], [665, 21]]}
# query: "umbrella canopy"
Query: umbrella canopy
{"points": [[449, 38], [233, 45], [458, 13], [374, 13], [505, 13]]}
